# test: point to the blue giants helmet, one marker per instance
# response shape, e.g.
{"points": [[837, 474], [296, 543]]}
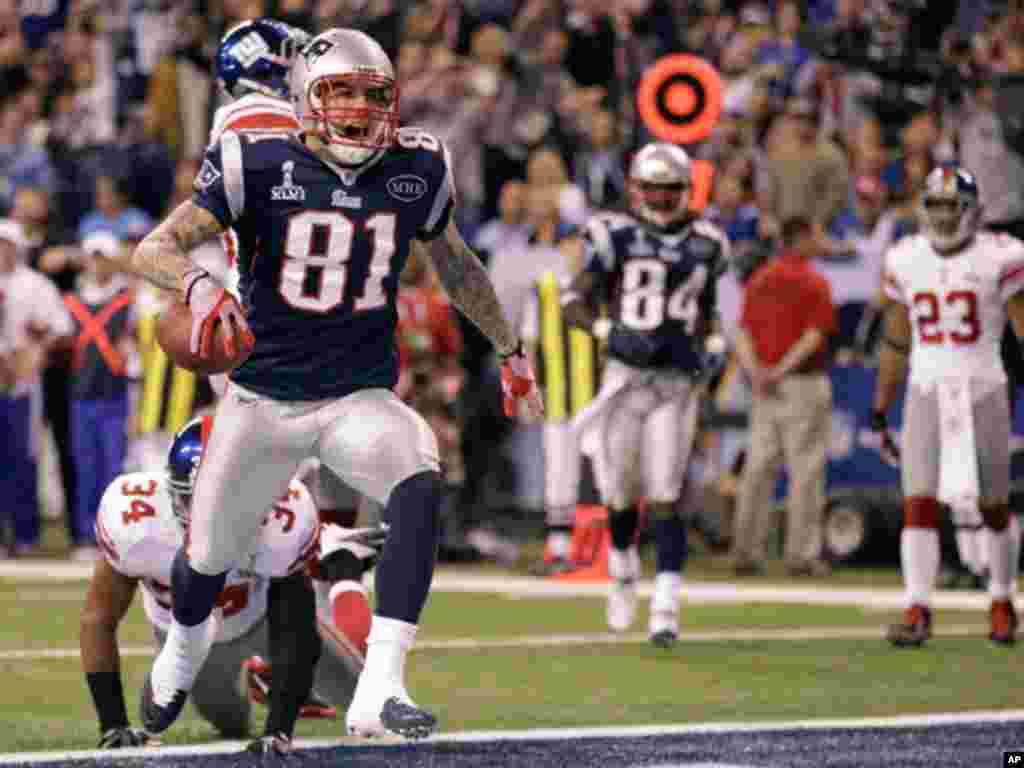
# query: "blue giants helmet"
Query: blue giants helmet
{"points": [[183, 461], [256, 56], [950, 207]]}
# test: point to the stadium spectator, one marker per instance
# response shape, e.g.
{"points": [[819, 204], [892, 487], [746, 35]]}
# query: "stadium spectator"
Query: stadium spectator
{"points": [[786, 320], [804, 173], [21, 163], [599, 166], [103, 363], [32, 319], [852, 260], [114, 212]]}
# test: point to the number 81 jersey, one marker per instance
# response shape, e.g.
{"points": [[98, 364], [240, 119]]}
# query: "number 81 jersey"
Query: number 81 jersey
{"points": [[957, 303], [320, 249]]}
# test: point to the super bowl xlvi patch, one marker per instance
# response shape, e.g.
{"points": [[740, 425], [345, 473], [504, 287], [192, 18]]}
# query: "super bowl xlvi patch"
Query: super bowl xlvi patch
{"points": [[407, 187], [288, 190], [207, 176]]}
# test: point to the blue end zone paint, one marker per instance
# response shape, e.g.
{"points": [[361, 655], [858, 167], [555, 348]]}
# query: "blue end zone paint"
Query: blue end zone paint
{"points": [[950, 745]]}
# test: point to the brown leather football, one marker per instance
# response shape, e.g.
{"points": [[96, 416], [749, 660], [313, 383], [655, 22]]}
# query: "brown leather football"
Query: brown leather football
{"points": [[173, 330]]}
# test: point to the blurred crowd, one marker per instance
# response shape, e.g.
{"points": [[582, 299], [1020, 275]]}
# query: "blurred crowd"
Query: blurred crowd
{"points": [[833, 109]]}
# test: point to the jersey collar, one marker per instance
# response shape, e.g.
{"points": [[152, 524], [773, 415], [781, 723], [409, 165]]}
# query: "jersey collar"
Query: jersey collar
{"points": [[348, 176]]}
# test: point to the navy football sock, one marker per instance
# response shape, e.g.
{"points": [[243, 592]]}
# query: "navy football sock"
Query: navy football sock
{"points": [[194, 593], [672, 545], [406, 566], [623, 524]]}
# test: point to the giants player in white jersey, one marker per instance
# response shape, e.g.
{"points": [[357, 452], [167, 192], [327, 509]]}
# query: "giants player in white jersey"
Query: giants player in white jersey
{"points": [[950, 292], [141, 522], [657, 270], [253, 64]]}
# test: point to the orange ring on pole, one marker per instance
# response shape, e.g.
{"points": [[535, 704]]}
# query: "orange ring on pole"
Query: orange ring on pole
{"points": [[680, 98]]}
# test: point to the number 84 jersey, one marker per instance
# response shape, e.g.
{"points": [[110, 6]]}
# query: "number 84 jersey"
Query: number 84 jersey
{"points": [[957, 303], [658, 285], [320, 249]]}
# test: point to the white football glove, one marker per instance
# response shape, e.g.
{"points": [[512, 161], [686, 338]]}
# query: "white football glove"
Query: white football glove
{"points": [[209, 302]]}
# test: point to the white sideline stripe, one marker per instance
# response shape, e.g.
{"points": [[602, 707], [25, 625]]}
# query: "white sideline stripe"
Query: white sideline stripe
{"points": [[568, 640], [523, 586], [547, 734]]}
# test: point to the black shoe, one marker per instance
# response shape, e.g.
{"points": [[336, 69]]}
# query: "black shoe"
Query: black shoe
{"points": [[157, 719], [407, 720], [915, 629], [666, 638]]}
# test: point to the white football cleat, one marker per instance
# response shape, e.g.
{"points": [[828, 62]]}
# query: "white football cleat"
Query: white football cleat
{"points": [[379, 709], [663, 628]]}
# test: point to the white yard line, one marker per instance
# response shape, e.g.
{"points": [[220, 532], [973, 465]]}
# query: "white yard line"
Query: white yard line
{"points": [[572, 639], [901, 721], [525, 587]]}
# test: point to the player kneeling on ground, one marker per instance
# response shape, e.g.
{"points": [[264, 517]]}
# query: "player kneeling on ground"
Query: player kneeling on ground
{"points": [[142, 521]]}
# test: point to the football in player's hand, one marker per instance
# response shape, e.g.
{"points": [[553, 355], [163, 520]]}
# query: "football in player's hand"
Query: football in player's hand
{"points": [[173, 331]]}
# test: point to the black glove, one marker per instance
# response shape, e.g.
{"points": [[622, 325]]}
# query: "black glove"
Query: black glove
{"points": [[278, 744], [115, 738], [886, 445]]}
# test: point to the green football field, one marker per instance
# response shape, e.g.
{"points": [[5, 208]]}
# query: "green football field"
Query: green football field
{"points": [[510, 662]]}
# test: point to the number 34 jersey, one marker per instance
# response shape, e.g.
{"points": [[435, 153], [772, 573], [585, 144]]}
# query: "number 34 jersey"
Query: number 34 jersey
{"points": [[957, 303], [657, 284], [320, 249], [139, 536]]}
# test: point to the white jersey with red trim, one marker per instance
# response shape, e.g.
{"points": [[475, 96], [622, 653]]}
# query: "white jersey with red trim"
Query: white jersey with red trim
{"points": [[139, 535], [957, 303], [254, 111]]}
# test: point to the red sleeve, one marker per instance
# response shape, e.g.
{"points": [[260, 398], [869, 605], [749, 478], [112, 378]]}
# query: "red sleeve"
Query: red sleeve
{"points": [[267, 121], [824, 315]]}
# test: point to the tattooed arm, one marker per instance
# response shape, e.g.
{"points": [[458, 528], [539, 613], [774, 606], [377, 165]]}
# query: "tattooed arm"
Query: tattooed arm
{"points": [[162, 257], [469, 287]]}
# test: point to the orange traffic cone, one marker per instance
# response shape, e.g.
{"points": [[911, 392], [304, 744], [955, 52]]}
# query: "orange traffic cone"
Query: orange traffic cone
{"points": [[590, 541]]}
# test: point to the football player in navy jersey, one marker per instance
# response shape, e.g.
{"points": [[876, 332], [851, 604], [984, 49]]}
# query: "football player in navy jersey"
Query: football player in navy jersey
{"points": [[656, 270], [325, 219]]}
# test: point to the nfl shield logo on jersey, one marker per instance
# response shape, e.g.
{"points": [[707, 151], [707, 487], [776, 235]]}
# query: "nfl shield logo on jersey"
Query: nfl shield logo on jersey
{"points": [[288, 190]]}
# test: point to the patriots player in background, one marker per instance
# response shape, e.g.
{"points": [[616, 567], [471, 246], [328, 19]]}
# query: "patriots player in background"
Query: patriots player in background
{"points": [[140, 524], [950, 291], [325, 220], [656, 269]]}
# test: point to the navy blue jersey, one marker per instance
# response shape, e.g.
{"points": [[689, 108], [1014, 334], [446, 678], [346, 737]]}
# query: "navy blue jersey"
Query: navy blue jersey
{"points": [[659, 288], [320, 249]]}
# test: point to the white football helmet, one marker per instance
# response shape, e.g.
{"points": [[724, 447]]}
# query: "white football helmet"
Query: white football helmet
{"points": [[949, 207], [660, 180], [350, 65]]}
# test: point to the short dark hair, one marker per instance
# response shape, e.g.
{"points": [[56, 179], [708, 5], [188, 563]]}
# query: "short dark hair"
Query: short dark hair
{"points": [[794, 228]]}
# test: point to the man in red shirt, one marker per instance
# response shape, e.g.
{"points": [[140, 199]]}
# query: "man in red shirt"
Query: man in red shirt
{"points": [[782, 344]]}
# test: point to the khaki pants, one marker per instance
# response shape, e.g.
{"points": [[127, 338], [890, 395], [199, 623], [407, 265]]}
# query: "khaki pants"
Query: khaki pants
{"points": [[793, 424]]}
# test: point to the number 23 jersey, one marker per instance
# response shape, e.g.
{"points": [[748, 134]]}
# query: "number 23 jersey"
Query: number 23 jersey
{"points": [[139, 536], [957, 303], [320, 249]]}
